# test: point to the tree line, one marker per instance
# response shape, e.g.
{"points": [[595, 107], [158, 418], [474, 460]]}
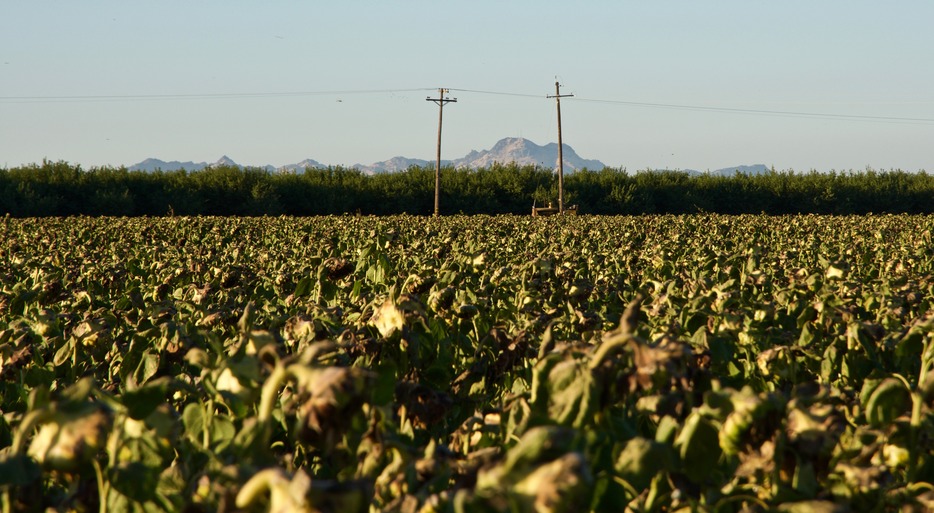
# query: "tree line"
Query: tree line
{"points": [[64, 189]]}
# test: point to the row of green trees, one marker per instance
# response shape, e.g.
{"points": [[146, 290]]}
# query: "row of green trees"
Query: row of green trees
{"points": [[63, 189]]}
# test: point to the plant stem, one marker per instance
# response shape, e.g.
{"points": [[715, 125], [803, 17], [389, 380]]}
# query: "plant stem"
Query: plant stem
{"points": [[102, 487]]}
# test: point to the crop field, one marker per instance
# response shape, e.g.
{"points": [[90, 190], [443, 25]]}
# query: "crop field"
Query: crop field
{"points": [[458, 364]]}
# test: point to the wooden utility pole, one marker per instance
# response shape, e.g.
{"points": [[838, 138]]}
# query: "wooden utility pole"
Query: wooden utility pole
{"points": [[557, 98], [440, 100]]}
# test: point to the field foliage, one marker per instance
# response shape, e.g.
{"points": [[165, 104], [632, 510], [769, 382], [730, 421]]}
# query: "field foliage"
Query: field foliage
{"points": [[492, 363]]}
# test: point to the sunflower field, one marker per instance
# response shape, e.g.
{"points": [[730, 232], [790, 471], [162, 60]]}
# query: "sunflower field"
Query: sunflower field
{"points": [[467, 363]]}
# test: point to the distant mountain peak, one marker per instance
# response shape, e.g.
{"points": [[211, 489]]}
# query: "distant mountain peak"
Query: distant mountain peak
{"points": [[748, 170], [301, 166], [508, 150], [522, 151], [751, 170], [225, 161], [516, 144], [152, 164]]}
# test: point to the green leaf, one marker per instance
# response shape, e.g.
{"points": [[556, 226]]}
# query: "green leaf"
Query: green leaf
{"points": [[698, 444], [132, 358], [805, 478], [303, 287], [222, 431], [642, 459], [144, 400], [17, 470], [135, 480], [193, 420], [64, 353], [888, 401], [385, 385], [148, 366]]}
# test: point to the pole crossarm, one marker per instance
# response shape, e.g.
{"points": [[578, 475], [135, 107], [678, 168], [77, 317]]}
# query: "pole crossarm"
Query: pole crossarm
{"points": [[439, 101]]}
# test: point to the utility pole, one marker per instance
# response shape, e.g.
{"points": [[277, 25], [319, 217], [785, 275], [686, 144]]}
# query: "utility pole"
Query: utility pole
{"points": [[440, 100], [557, 98]]}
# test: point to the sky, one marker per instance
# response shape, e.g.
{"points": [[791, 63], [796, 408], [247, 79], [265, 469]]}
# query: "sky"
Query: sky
{"points": [[795, 85]]}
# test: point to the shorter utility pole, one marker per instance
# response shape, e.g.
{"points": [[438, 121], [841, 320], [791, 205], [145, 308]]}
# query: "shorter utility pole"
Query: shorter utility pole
{"points": [[440, 100], [557, 98]]}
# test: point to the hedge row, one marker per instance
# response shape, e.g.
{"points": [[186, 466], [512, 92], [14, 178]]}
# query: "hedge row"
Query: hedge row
{"points": [[63, 189]]}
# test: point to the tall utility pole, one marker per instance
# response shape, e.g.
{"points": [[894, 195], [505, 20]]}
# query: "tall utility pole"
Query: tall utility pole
{"points": [[557, 98], [440, 100]]}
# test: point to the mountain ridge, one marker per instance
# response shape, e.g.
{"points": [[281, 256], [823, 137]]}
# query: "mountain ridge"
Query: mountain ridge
{"points": [[508, 150], [748, 170]]}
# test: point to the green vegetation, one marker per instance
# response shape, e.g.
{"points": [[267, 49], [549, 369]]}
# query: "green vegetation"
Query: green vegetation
{"points": [[60, 189], [713, 363]]}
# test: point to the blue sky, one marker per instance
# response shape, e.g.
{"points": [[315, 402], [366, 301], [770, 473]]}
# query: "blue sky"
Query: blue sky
{"points": [[115, 82]]}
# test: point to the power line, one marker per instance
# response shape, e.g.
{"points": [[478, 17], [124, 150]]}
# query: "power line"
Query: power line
{"points": [[499, 93], [728, 110], [197, 96], [852, 117], [625, 103]]}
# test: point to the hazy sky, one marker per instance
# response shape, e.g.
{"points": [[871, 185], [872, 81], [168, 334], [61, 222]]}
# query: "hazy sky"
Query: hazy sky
{"points": [[114, 82]]}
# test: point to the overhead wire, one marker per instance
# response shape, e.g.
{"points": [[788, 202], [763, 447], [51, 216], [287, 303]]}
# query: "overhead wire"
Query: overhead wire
{"points": [[727, 110], [730, 110], [199, 96], [499, 93], [625, 103]]}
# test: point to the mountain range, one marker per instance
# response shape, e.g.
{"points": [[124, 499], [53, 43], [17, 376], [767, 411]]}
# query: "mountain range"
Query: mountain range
{"points": [[511, 149], [755, 169]]}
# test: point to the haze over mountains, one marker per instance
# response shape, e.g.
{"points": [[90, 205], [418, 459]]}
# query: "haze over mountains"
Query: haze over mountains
{"points": [[511, 149]]}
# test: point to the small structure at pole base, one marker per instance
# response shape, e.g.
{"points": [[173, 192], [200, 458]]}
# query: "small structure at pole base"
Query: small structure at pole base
{"points": [[552, 210]]}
